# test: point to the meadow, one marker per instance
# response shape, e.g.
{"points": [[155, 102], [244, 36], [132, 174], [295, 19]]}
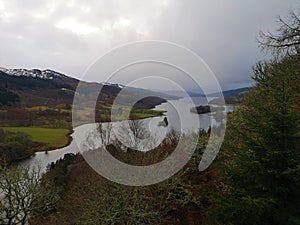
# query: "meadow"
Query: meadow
{"points": [[52, 138]]}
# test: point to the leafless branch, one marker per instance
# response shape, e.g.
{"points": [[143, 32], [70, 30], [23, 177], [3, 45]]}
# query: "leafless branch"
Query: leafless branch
{"points": [[287, 41]]}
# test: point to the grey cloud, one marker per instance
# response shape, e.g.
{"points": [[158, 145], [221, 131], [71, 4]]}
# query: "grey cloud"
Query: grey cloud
{"points": [[221, 32]]}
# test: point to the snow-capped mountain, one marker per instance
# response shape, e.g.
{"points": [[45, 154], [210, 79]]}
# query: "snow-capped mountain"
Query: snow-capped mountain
{"points": [[113, 85], [117, 85], [44, 74]]}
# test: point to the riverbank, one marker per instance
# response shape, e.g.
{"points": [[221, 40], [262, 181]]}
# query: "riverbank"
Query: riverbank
{"points": [[45, 139]]}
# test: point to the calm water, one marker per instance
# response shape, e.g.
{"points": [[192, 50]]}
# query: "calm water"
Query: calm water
{"points": [[178, 114]]}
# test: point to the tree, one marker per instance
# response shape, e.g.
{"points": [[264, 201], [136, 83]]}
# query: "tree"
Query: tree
{"points": [[104, 130], [14, 146], [132, 132], [287, 41], [68, 107], [263, 143], [24, 194]]}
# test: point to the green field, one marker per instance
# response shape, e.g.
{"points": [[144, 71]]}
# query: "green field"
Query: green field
{"points": [[52, 138]]}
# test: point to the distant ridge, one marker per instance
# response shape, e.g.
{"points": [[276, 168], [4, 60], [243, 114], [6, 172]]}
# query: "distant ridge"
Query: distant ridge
{"points": [[43, 74], [232, 93], [35, 87], [227, 93]]}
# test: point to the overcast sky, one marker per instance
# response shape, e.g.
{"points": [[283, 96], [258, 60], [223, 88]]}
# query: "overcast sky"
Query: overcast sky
{"points": [[68, 36]]}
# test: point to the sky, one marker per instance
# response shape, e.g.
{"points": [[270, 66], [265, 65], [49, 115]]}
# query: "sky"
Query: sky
{"points": [[69, 36]]}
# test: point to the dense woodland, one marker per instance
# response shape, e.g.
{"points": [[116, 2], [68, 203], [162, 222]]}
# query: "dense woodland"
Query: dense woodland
{"points": [[261, 150], [14, 146], [254, 180]]}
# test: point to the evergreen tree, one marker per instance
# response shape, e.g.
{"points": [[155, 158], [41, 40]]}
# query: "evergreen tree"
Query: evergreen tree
{"points": [[263, 144]]}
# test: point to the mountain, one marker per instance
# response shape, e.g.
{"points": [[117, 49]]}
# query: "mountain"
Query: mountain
{"points": [[232, 97], [44, 74], [27, 88], [36, 91], [232, 93], [184, 94], [113, 85], [227, 93]]}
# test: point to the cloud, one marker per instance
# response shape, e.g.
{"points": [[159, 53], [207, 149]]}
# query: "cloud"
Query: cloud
{"points": [[70, 35], [77, 27], [223, 33]]}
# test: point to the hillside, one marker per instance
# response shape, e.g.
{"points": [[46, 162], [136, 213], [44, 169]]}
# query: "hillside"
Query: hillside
{"points": [[227, 93], [28, 88], [45, 98], [34, 91]]}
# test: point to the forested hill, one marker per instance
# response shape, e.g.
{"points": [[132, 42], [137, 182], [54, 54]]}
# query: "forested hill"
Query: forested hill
{"points": [[35, 91], [28, 89]]}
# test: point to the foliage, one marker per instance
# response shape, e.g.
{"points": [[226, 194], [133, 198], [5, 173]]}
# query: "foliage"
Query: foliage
{"points": [[23, 195], [263, 145], [88, 198], [39, 116], [14, 146], [8, 98], [202, 109]]}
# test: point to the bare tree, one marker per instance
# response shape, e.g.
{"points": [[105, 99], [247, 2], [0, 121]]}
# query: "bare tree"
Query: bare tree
{"points": [[287, 41], [138, 129], [104, 130], [173, 136], [132, 133], [23, 193]]}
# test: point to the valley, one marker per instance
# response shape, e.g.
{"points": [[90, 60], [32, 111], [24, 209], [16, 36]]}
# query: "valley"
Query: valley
{"points": [[149, 112], [39, 104]]}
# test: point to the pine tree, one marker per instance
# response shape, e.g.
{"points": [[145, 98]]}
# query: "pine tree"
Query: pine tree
{"points": [[263, 144]]}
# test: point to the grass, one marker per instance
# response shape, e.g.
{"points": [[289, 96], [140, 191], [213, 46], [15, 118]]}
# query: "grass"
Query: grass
{"points": [[37, 108], [104, 115], [52, 138], [44, 108], [142, 114]]}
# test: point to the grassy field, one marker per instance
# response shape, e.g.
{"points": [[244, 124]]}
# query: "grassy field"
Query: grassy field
{"points": [[52, 138], [104, 115]]}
